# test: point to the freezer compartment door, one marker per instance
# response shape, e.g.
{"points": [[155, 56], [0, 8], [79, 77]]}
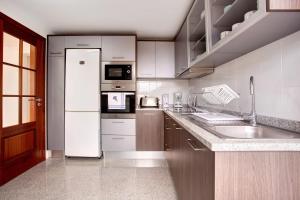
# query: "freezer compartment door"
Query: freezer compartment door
{"points": [[82, 80], [82, 134]]}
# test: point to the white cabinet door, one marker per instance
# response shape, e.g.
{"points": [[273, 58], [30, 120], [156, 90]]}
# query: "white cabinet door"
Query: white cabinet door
{"points": [[82, 134], [165, 60], [146, 59], [118, 48], [83, 42], [118, 126], [118, 143], [55, 104], [56, 46], [82, 80]]}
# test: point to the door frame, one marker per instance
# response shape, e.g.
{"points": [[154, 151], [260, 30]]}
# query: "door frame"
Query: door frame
{"points": [[21, 163]]}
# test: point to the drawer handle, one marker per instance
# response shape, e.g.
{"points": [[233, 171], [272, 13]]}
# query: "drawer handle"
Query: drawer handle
{"points": [[195, 148], [168, 128], [118, 138], [118, 57], [167, 118], [149, 114], [174, 124], [118, 122], [82, 45], [178, 128], [55, 53], [147, 74]]}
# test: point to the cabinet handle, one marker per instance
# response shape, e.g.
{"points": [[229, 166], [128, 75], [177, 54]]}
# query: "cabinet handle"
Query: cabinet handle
{"points": [[118, 57], [118, 122], [149, 114], [178, 128], [174, 124], [55, 53], [168, 128], [82, 45], [118, 138], [167, 118], [146, 74], [195, 148]]}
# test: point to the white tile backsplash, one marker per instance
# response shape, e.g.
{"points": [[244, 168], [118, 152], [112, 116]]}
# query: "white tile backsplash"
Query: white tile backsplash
{"points": [[158, 87], [276, 71]]}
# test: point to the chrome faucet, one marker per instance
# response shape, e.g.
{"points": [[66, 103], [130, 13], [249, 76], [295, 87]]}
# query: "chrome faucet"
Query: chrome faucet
{"points": [[252, 116]]}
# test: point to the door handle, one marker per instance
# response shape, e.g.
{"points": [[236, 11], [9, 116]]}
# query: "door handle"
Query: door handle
{"points": [[194, 147]]}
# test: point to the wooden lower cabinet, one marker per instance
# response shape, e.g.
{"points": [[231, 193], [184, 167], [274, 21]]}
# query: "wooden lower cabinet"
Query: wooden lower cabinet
{"points": [[191, 164], [200, 174], [149, 130]]}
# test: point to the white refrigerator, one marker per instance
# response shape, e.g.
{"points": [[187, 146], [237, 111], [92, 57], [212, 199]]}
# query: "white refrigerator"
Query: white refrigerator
{"points": [[82, 103]]}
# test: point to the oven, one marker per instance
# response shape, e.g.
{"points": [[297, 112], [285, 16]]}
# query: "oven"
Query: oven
{"points": [[118, 104], [118, 72]]}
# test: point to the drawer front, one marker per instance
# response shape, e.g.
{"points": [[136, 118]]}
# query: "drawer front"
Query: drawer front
{"points": [[83, 42], [56, 46], [118, 126], [118, 143]]}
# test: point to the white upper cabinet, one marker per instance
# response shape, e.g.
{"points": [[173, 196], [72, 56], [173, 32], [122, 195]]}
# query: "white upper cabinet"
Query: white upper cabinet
{"points": [[118, 48], [56, 45], [156, 59], [165, 59], [146, 59], [83, 42]]}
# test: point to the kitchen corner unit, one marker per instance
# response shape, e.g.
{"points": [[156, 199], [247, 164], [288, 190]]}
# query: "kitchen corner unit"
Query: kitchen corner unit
{"points": [[205, 167]]}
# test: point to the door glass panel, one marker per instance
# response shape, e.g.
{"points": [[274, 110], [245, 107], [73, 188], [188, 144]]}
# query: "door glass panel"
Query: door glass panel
{"points": [[11, 49], [10, 80], [28, 82], [29, 55], [28, 109], [10, 111]]}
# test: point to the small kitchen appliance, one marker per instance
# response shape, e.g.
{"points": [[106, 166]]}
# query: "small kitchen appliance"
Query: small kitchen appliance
{"points": [[149, 102], [178, 100]]}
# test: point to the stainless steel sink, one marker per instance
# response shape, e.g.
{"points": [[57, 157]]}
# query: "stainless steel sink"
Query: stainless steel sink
{"points": [[252, 132]]}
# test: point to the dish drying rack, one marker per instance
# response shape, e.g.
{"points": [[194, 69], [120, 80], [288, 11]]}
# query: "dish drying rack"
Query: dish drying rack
{"points": [[219, 94]]}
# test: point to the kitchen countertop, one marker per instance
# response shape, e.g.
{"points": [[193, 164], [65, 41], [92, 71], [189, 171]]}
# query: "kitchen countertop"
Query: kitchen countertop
{"points": [[215, 143]]}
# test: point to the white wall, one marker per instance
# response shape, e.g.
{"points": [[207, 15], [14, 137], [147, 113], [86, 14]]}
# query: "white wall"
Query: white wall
{"points": [[276, 70], [23, 16], [156, 88]]}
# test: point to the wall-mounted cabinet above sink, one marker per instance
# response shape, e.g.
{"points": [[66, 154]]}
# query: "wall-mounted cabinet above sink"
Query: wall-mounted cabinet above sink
{"points": [[219, 31]]}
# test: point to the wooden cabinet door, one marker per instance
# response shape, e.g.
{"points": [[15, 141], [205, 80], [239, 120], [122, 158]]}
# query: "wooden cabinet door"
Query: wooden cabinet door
{"points": [[146, 59], [165, 60], [283, 5], [118, 48], [199, 170], [56, 46], [149, 134]]}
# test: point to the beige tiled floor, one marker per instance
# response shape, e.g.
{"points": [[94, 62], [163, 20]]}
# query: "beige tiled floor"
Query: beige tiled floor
{"points": [[89, 179]]}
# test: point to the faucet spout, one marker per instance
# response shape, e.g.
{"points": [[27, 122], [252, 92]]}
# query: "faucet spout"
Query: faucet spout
{"points": [[253, 116]]}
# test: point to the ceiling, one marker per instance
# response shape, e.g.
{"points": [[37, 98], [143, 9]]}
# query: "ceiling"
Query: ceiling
{"points": [[149, 19]]}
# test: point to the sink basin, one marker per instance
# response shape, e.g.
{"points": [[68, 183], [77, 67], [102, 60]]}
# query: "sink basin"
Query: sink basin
{"points": [[252, 132]]}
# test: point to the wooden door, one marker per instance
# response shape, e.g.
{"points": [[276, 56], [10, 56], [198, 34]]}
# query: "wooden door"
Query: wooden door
{"points": [[22, 127]]}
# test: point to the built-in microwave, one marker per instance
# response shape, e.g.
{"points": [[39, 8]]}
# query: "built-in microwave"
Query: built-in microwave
{"points": [[118, 72]]}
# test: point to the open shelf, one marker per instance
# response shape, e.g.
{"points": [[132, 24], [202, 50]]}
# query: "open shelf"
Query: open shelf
{"points": [[263, 28], [236, 13]]}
